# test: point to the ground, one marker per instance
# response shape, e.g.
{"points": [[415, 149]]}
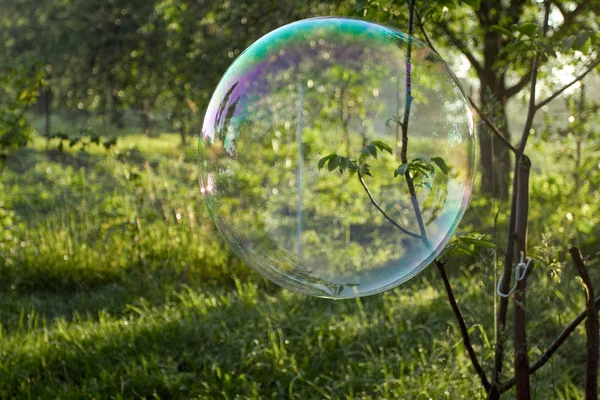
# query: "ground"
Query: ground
{"points": [[114, 284]]}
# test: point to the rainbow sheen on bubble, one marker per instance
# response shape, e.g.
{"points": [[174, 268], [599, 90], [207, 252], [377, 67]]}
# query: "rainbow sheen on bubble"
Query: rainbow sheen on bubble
{"points": [[335, 85]]}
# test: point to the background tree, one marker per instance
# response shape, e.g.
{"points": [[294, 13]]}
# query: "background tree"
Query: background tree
{"points": [[484, 33]]}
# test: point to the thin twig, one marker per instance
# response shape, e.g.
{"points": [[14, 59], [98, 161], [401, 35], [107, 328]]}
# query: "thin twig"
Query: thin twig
{"points": [[531, 109], [408, 95], [568, 85], [407, 104], [591, 327], [461, 46], [483, 117], [374, 202], [545, 357], [493, 127], [517, 87], [462, 327]]}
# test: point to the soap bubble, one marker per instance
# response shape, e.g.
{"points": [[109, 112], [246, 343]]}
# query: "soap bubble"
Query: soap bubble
{"points": [[288, 147]]}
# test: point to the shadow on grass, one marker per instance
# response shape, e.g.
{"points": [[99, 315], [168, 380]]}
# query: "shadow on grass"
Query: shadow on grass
{"points": [[192, 344], [221, 343]]}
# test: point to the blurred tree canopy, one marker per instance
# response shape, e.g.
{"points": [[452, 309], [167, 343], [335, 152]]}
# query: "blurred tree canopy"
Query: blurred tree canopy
{"points": [[106, 57], [160, 60], [498, 39]]}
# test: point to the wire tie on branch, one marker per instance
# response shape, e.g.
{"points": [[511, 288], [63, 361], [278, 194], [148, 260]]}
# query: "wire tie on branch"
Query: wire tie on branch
{"points": [[520, 272]]}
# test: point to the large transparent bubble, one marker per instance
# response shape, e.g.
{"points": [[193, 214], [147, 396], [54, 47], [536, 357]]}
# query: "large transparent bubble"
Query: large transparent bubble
{"points": [[288, 148]]}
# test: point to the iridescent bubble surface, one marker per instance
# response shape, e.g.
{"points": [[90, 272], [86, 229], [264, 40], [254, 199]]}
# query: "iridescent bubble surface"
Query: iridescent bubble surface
{"points": [[350, 224]]}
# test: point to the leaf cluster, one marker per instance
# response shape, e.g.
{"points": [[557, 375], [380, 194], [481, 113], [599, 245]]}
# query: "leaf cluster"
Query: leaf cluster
{"points": [[422, 167], [82, 141], [344, 163], [419, 168], [524, 37], [466, 244], [19, 89], [528, 37], [582, 42]]}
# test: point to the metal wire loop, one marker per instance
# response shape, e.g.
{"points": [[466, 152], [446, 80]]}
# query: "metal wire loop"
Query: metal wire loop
{"points": [[520, 273]]}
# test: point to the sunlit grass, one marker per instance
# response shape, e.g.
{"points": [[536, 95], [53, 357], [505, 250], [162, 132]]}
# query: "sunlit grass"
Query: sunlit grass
{"points": [[93, 307]]}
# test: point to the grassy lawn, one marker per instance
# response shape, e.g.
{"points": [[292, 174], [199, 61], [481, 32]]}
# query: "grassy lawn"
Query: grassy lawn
{"points": [[114, 284]]}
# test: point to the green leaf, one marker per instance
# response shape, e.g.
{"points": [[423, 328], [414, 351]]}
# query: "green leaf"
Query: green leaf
{"points": [[477, 242], [110, 143], [334, 162], [504, 31], [548, 49], [527, 29], [382, 146], [400, 170], [584, 227], [135, 177], [581, 40], [439, 161], [344, 163], [568, 42], [364, 169], [323, 160], [372, 150], [475, 4]]}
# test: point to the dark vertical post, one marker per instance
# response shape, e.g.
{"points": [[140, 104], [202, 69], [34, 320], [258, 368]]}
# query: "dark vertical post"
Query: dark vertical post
{"points": [[520, 321], [47, 102], [299, 174], [591, 327]]}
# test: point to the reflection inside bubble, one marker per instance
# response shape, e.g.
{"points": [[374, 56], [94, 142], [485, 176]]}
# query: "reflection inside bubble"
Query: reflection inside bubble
{"points": [[307, 169]]}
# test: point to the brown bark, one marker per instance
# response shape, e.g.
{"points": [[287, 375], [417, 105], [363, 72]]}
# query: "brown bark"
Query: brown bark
{"points": [[520, 321], [591, 327]]}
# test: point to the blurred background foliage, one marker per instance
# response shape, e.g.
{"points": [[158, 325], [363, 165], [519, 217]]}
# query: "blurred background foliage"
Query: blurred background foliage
{"points": [[114, 283]]}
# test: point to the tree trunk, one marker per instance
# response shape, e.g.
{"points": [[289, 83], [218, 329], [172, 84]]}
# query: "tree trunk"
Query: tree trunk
{"points": [[345, 118], [495, 158], [47, 112], [183, 135], [108, 106], [112, 113]]}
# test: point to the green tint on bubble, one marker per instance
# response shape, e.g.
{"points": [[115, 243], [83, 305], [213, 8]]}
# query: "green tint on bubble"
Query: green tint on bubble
{"points": [[327, 86]]}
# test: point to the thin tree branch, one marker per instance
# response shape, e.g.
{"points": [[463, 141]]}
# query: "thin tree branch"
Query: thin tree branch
{"points": [[492, 126], [568, 85], [461, 46], [568, 17], [406, 118], [591, 327], [545, 357], [408, 95], [532, 108], [483, 117], [561, 8], [462, 326], [517, 87], [374, 202]]}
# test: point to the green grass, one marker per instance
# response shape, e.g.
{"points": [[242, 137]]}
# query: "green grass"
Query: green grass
{"points": [[97, 303]]}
